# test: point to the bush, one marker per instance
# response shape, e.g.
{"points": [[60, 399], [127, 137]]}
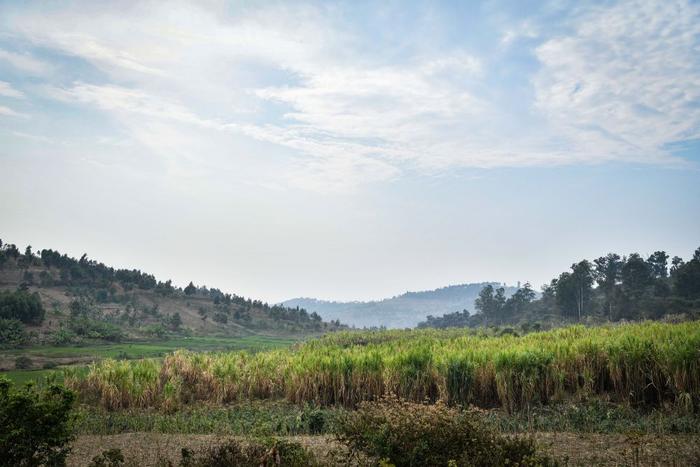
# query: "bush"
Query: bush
{"points": [[23, 363], [12, 333], [64, 336], [93, 329], [22, 305], [109, 458], [411, 434], [266, 453], [34, 425]]}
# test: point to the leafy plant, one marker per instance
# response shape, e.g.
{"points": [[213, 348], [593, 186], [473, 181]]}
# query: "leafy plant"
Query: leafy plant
{"points": [[411, 434], [34, 425]]}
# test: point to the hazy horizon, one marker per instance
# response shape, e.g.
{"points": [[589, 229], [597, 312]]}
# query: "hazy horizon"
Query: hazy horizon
{"points": [[350, 150]]}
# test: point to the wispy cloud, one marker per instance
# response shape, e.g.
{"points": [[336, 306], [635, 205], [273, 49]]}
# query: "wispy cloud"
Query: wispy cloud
{"points": [[618, 83], [626, 82], [24, 62], [8, 112], [7, 90]]}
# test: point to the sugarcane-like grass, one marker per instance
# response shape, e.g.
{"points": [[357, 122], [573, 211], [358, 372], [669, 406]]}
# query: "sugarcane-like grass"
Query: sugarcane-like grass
{"points": [[648, 363]]}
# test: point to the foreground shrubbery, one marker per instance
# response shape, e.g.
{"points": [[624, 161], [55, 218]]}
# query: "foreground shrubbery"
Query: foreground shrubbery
{"points": [[643, 364], [264, 453], [34, 425], [410, 434]]}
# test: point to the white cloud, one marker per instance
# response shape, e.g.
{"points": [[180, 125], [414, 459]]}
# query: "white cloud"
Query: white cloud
{"points": [[621, 86], [24, 62], [626, 83], [7, 90], [8, 112]]}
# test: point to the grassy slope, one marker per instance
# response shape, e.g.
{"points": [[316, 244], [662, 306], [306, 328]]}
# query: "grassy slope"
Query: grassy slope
{"points": [[131, 350]]}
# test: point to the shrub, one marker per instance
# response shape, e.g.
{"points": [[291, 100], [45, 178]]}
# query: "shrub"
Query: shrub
{"points": [[411, 434], [109, 458], [63, 336], [23, 363], [34, 425], [12, 333], [21, 305], [49, 365], [265, 453]]}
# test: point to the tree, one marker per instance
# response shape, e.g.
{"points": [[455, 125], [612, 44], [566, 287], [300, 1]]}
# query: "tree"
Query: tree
{"points": [[490, 304], [34, 424], [658, 262], [636, 277], [190, 289], [176, 321], [574, 289], [607, 274], [686, 278]]}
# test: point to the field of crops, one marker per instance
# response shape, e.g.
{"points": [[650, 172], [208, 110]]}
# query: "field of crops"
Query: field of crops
{"points": [[647, 363]]}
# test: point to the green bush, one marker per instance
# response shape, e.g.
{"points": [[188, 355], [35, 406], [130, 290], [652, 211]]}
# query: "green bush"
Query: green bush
{"points": [[109, 458], [21, 305], [34, 425], [265, 453], [410, 434], [93, 329], [23, 363], [12, 333], [64, 336]]}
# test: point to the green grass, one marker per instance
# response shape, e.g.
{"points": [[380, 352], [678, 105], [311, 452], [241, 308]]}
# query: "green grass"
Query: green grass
{"points": [[640, 364], [137, 350], [157, 348]]}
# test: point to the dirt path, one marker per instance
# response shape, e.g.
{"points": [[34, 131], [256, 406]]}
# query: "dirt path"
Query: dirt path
{"points": [[572, 449]]}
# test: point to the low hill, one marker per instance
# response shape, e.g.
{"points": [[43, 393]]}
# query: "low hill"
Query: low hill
{"points": [[52, 298], [402, 311]]}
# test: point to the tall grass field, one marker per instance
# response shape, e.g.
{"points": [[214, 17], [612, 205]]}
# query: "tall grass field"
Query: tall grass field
{"points": [[646, 364]]}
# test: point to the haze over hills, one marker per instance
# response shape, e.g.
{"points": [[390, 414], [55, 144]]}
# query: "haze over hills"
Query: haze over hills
{"points": [[405, 310]]}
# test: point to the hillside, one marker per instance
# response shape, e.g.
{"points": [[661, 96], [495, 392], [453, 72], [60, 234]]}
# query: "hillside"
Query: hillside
{"points": [[402, 311], [50, 298]]}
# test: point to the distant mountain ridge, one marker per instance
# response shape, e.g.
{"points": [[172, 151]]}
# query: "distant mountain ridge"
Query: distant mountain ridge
{"points": [[405, 310]]}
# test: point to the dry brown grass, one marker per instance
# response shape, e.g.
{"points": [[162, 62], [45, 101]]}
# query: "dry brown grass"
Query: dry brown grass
{"points": [[571, 449]]}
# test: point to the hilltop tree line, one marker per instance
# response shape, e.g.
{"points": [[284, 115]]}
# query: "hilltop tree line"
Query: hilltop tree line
{"points": [[609, 288], [103, 284]]}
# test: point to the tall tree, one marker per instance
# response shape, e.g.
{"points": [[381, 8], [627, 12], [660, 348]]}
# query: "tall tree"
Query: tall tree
{"points": [[607, 274], [658, 262]]}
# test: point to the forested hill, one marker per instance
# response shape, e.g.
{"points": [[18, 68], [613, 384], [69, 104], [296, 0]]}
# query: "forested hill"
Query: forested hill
{"points": [[609, 288], [49, 297], [402, 311]]}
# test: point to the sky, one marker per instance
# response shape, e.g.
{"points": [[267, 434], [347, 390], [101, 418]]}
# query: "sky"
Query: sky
{"points": [[350, 150]]}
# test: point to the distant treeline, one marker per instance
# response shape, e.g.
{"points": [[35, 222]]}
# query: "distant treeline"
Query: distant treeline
{"points": [[610, 288], [103, 283]]}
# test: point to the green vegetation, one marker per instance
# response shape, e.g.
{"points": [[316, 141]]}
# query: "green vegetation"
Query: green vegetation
{"points": [[410, 434], [258, 453], [90, 302], [34, 425], [642, 364], [628, 288], [245, 418], [12, 333], [22, 306]]}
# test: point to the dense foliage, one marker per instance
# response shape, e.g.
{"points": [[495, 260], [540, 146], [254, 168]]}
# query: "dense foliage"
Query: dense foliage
{"points": [[646, 364], [408, 434], [610, 288], [12, 333], [34, 425], [21, 305]]}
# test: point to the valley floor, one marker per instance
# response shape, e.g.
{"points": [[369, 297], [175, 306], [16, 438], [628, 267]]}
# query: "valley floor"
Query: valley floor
{"points": [[572, 449]]}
